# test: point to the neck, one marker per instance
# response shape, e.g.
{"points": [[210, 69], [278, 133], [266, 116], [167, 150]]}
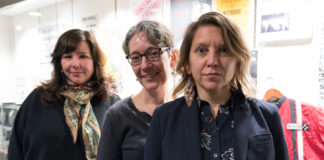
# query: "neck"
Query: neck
{"points": [[216, 97], [147, 101], [156, 97]]}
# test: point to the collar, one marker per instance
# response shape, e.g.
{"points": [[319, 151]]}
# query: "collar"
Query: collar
{"points": [[234, 99]]}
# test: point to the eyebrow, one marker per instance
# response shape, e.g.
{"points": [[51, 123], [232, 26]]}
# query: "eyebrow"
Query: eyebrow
{"points": [[199, 44], [83, 52], [205, 44], [149, 48]]}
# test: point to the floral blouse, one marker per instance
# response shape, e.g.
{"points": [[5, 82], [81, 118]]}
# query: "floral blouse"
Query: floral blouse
{"points": [[216, 135]]}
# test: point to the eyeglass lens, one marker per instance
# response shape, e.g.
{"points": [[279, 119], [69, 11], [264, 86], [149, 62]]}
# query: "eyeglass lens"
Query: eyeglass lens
{"points": [[150, 54]]}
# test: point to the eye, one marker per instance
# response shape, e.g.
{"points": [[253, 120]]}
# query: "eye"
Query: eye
{"points": [[201, 50], [66, 56], [224, 52], [135, 57], [153, 54], [83, 56]]}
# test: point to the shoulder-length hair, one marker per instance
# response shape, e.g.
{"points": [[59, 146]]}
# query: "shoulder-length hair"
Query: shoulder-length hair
{"points": [[68, 42], [234, 42]]}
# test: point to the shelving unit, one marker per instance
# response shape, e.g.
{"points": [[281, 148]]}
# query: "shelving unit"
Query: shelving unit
{"points": [[8, 113]]}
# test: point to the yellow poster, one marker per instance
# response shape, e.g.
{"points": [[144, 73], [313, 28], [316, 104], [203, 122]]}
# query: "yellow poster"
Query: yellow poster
{"points": [[237, 10]]}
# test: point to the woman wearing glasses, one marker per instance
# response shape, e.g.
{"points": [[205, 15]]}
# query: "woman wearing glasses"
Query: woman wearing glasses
{"points": [[147, 46]]}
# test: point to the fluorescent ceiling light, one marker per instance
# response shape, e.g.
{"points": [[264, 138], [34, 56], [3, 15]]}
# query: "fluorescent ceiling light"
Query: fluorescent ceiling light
{"points": [[35, 14], [18, 27]]}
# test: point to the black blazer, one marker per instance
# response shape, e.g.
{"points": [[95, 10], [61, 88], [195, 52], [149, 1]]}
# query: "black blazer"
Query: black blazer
{"points": [[174, 132]]}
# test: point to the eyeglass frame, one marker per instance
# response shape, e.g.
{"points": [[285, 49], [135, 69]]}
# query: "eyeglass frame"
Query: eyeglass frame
{"points": [[161, 50]]}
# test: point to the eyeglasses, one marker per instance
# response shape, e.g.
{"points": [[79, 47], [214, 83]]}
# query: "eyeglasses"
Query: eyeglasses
{"points": [[152, 54]]}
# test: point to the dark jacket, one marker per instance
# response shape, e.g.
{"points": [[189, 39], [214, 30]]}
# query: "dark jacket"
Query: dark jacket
{"points": [[40, 131], [174, 133]]}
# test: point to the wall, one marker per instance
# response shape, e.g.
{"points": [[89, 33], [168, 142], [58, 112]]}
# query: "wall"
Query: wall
{"points": [[6, 61], [289, 61], [109, 20], [290, 65]]}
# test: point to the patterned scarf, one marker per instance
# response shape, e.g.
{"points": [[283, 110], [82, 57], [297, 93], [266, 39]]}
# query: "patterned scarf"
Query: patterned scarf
{"points": [[78, 113]]}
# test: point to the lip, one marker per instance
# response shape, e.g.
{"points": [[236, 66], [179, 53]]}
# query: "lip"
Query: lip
{"points": [[75, 73], [212, 74], [149, 76]]}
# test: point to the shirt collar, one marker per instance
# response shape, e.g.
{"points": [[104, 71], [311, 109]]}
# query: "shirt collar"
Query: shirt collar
{"points": [[229, 102]]}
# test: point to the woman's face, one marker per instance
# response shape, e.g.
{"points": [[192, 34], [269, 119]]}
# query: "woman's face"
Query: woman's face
{"points": [[151, 75], [78, 65], [210, 63]]}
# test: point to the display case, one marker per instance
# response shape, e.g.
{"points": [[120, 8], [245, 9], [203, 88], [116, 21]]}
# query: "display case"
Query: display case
{"points": [[8, 113]]}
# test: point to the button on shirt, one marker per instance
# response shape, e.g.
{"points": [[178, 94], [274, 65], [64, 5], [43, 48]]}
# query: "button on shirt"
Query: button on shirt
{"points": [[216, 135]]}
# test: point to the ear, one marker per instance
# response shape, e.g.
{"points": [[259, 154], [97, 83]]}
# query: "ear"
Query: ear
{"points": [[188, 69], [174, 57]]}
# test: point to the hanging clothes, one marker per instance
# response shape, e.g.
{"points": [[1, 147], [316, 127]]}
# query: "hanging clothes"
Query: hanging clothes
{"points": [[303, 127]]}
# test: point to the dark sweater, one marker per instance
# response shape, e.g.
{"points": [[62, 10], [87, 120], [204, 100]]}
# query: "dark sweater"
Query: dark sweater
{"points": [[124, 132], [40, 131]]}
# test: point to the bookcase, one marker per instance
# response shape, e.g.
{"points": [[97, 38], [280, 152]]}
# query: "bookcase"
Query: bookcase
{"points": [[8, 113]]}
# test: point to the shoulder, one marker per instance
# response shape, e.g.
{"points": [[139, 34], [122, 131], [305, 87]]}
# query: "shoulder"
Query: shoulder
{"points": [[265, 107], [172, 106], [171, 111], [268, 110], [106, 103], [116, 114], [36, 93], [32, 98], [30, 106], [119, 106], [111, 99]]}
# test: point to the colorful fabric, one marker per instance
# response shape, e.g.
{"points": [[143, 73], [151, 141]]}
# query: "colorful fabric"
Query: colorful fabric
{"points": [[79, 115]]}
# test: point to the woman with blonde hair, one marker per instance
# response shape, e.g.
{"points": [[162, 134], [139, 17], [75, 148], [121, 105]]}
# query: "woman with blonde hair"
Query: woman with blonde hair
{"points": [[215, 119]]}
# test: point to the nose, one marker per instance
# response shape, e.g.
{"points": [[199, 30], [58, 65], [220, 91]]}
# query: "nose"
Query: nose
{"points": [[145, 64], [75, 62], [212, 59]]}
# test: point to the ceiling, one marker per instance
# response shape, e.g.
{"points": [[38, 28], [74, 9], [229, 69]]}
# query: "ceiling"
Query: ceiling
{"points": [[14, 7], [4, 3]]}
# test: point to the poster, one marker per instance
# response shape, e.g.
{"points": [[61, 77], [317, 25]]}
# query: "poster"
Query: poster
{"points": [[237, 10], [146, 9]]}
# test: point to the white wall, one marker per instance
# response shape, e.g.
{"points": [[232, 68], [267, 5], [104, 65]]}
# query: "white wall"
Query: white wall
{"points": [[290, 62], [6, 62], [34, 42], [289, 66]]}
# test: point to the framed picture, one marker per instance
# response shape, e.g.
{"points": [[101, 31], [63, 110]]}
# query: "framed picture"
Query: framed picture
{"points": [[279, 21]]}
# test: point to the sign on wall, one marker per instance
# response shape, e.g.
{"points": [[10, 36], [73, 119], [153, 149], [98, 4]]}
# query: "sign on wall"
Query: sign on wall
{"points": [[237, 10], [90, 23], [146, 9]]}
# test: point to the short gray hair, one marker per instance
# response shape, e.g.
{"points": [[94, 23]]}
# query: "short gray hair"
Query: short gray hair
{"points": [[156, 33]]}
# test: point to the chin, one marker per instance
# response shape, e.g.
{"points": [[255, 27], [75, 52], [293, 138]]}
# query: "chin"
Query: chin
{"points": [[78, 82], [151, 86]]}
